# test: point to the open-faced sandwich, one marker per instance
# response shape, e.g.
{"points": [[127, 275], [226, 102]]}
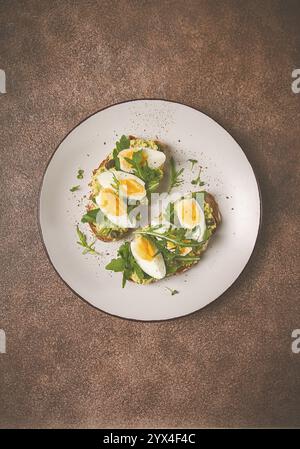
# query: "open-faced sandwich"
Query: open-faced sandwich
{"points": [[128, 175], [172, 244]]}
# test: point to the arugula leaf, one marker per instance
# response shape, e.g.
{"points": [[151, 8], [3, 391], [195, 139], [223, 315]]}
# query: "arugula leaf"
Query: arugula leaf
{"points": [[122, 144], [73, 189], [126, 263], [170, 213], [151, 176], [176, 236], [116, 183], [80, 174], [116, 159], [187, 258], [116, 265], [199, 197], [90, 216], [136, 162], [124, 250], [197, 181], [193, 162], [172, 291], [82, 237], [88, 247], [131, 207], [175, 180]]}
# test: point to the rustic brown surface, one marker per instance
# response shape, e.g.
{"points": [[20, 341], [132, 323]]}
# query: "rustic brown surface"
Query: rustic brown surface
{"points": [[68, 365]]}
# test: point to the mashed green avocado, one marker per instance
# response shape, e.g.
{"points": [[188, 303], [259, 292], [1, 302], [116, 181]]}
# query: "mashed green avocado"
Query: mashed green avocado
{"points": [[210, 227], [105, 228]]}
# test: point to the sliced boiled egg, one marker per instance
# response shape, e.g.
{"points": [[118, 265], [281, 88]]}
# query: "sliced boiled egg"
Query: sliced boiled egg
{"points": [[183, 250], [147, 257], [191, 217], [154, 158], [106, 178], [113, 207], [129, 186]]}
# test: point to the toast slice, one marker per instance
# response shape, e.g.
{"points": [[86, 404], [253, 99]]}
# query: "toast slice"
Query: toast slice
{"points": [[177, 258], [151, 178]]}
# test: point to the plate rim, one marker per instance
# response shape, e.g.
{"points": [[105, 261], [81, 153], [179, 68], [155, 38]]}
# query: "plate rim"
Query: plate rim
{"points": [[41, 232]]}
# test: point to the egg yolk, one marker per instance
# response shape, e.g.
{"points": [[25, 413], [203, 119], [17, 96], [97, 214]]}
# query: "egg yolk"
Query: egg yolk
{"points": [[145, 249], [111, 203], [188, 213], [129, 155], [131, 186]]}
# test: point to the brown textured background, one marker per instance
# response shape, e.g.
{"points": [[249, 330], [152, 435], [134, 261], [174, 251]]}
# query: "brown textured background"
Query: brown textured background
{"points": [[231, 364]]}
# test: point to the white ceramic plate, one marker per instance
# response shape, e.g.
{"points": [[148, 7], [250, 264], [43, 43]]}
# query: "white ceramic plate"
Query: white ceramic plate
{"points": [[189, 134]]}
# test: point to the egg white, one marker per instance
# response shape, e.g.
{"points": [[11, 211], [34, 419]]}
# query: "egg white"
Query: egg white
{"points": [[156, 268], [121, 221]]}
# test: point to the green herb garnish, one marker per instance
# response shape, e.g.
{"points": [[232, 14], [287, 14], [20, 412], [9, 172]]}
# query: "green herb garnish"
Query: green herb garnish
{"points": [[127, 264], [73, 189], [80, 174], [175, 180], [88, 247], [170, 213], [172, 291], [197, 181], [193, 162], [171, 253]]}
